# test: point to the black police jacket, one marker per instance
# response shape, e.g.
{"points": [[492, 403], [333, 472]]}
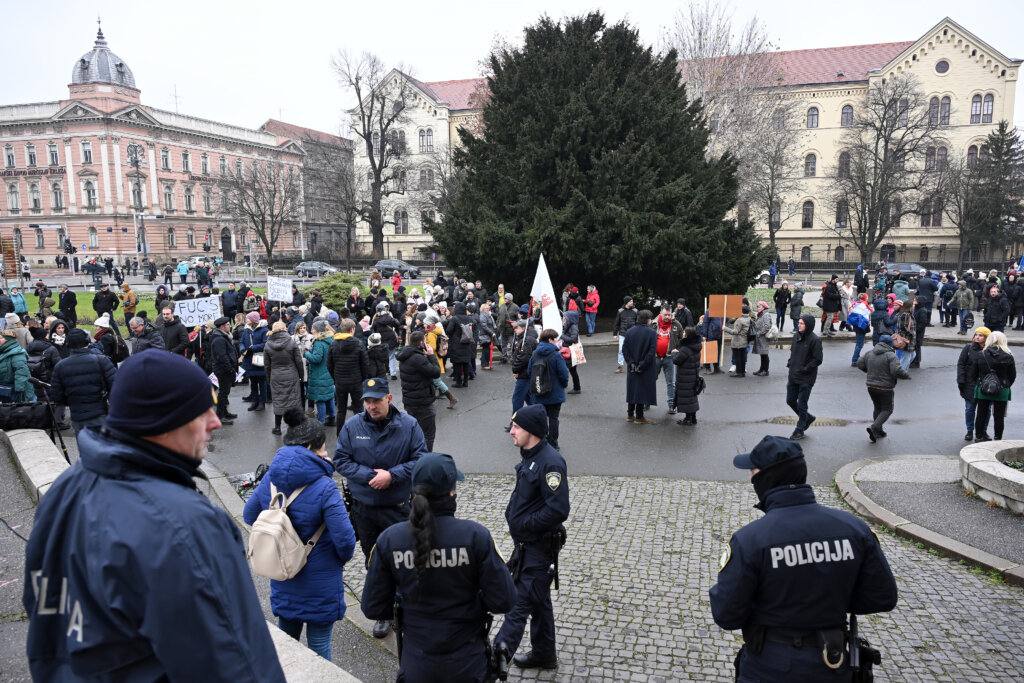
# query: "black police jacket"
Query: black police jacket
{"points": [[801, 567], [464, 580], [540, 501]]}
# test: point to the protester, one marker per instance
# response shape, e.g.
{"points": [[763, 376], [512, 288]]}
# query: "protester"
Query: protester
{"points": [[965, 385], [711, 330], [995, 359], [173, 333], [796, 305], [922, 319], [804, 358], [997, 310], [377, 354], [859, 320], [670, 333], [129, 302], [740, 332], [144, 335], [461, 330], [687, 362], [224, 366], [104, 301], [557, 380], [253, 340], [592, 303], [20, 305], [349, 365], [16, 330], [640, 354], [284, 369], [782, 297], [883, 370], [67, 304], [570, 335], [522, 346], [320, 385], [229, 300], [904, 325], [487, 335], [625, 319], [763, 329], [418, 369], [15, 375], [831, 304]]}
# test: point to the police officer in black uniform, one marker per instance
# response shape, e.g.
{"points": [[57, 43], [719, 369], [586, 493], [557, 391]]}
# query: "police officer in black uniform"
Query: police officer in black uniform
{"points": [[789, 579], [446, 576], [535, 513]]}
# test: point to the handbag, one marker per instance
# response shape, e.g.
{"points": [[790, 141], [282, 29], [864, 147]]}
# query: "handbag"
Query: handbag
{"points": [[25, 416], [578, 357], [6, 393], [257, 359], [700, 386]]}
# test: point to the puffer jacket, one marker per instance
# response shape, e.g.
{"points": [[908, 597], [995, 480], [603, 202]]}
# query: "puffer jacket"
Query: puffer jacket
{"points": [[902, 290], [762, 326], [319, 383], [687, 362], [522, 351], [149, 339], [485, 330], [14, 370], [996, 360], [571, 328], [796, 303], [880, 320], [253, 341], [175, 336], [347, 361], [284, 370], [805, 354], [20, 305], [964, 382], [42, 351], [317, 592], [882, 367], [79, 382], [739, 331], [558, 372], [417, 373], [997, 311]]}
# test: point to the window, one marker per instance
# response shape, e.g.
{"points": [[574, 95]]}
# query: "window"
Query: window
{"points": [[808, 215], [54, 157], [9, 156], [165, 159], [94, 239], [375, 138], [844, 165], [186, 161], [929, 159], [427, 217], [972, 156], [172, 242], [887, 252], [924, 254], [926, 213], [430, 140], [34, 197], [940, 159], [168, 198], [812, 117], [191, 236], [295, 240], [204, 164], [90, 194], [937, 207], [423, 141], [897, 159], [810, 165], [61, 236], [13, 198], [805, 254], [238, 167], [743, 212], [895, 212], [779, 120], [207, 200], [190, 200], [944, 112], [401, 142], [986, 112], [17, 238], [86, 152], [402, 180], [941, 66], [40, 239], [30, 152], [224, 206], [401, 222], [713, 124], [840, 254], [222, 166], [847, 118], [842, 214], [137, 195], [426, 179], [976, 109], [904, 110], [58, 196], [933, 111], [775, 220]]}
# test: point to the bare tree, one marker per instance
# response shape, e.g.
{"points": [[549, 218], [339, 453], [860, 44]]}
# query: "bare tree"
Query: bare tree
{"points": [[331, 185], [265, 195], [382, 98], [882, 174], [961, 187]]}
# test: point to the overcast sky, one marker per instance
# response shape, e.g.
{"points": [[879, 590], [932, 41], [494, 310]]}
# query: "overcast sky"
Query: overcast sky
{"points": [[243, 62]]}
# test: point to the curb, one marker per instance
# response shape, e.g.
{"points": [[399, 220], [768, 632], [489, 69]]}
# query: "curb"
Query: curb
{"points": [[845, 479], [42, 469]]}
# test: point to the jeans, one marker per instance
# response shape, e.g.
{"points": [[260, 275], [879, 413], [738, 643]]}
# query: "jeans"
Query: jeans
{"points": [[324, 409], [622, 361], [183, 278], [780, 318], [318, 636], [665, 364], [998, 409], [392, 362], [970, 411], [79, 425], [797, 396], [963, 317], [883, 401], [591, 322], [521, 394], [907, 358], [441, 386], [858, 345]]}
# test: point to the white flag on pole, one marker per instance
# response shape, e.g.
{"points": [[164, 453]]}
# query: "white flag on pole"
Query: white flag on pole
{"points": [[544, 294]]}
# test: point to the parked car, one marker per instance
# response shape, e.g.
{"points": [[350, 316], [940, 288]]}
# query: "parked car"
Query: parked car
{"points": [[905, 268], [314, 269], [388, 266]]}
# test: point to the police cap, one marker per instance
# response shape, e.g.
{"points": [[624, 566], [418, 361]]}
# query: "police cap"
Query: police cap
{"points": [[770, 451], [437, 471]]}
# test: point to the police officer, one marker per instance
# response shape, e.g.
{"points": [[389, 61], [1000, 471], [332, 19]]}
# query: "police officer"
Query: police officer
{"points": [[376, 451], [446, 575], [789, 579], [535, 512]]}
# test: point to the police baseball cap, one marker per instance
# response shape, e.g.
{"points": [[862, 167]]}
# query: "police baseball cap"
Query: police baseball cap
{"points": [[770, 451], [375, 388], [436, 471]]}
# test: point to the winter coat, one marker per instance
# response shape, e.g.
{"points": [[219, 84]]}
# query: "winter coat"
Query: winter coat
{"points": [[805, 354], [687, 362], [996, 360], [161, 579], [14, 370], [305, 343], [458, 350], [175, 336], [639, 350], [624, 320], [880, 320], [388, 329], [593, 300], [130, 300], [223, 356], [298, 298], [253, 341], [796, 304], [882, 367], [782, 298], [905, 326], [417, 372], [6, 305], [79, 382], [831, 299], [149, 339], [363, 447], [486, 330], [739, 331], [250, 304], [570, 328], [902, 290], [926, 289], [229, 299], [557, 371], [506, 317], [20, 305], [319, 383], [523, 347], [378, 357], [762, 326], [997, 311], [46, 355], [283, 365], [963, 300], [105, 302], [347, 361], [965, 383], [317, 593]]}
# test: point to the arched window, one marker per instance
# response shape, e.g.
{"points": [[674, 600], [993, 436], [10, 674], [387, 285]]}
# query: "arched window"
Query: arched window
{"points": [[842, 213], [840, 254], [810, 165], [887, 252], [937, 208], [929, 159], [847, 117], [401, 222], [172, 242], [401, 142], [191, 235], [90, 194], [34, 197], [976, 109], [402, 180], [94, 239], [13, 198], [430, 140], [844, 165], [987, 107], [924, 254], [423, 141], [805, 254], [940, 159], [944, 111], [933, 111], [40, 239], [426, 179], [812, 117], [972, 156], [168, 198], [808, 215], [58, 196]]}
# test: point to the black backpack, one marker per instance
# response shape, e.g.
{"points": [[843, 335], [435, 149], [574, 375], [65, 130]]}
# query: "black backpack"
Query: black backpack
{"points": [[540, 377], [120, 349], [990, 385], [38, 367]]}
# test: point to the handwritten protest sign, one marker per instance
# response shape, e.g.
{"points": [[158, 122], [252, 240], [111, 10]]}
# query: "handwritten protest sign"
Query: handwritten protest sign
{"points": [[279, 289], [197, 311]]}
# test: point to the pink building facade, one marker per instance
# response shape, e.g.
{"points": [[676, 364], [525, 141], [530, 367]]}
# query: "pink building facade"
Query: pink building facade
{"points": [[88, 167]]}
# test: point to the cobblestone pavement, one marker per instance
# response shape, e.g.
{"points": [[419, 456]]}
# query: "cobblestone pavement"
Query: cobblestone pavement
{"points": [[643, 553]]}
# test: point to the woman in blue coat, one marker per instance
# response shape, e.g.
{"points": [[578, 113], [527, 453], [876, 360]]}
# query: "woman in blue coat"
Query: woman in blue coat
{"points": [[316, 595], [20, 305], [640, 352], [254, 337]]}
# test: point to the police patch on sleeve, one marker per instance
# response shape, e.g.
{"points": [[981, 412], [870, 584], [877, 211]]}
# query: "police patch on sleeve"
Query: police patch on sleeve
{"points": [[724, 559], [554, 480]]}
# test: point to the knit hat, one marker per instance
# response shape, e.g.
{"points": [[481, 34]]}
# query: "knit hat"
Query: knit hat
{"points": [[37, 332], [320, 326], [762, 306], [103, 321], [332, 319], [374, 340], [12, 319], [77, 338], [302, 430], [252, 317], [156, 392], [525, 309], [533, 419], [626, 300], [983, 331]]}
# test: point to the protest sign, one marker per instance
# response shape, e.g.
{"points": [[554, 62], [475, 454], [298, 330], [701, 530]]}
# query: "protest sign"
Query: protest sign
{"points": [[726, 305], [194, 312], [279, 289]]}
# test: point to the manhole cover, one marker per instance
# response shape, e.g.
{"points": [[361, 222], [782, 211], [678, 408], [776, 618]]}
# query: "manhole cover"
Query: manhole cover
{"points": [[818, 422]]}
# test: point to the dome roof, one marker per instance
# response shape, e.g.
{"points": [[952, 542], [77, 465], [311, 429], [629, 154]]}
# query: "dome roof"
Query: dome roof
{"points": [[100, 65]]}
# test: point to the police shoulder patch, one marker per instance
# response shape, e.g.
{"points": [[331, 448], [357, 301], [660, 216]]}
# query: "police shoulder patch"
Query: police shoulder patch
{"points": [[724, 559], [554, 480]]}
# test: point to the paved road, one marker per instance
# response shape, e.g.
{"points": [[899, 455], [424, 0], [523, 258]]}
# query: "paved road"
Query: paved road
{"points": [[597, 440]]}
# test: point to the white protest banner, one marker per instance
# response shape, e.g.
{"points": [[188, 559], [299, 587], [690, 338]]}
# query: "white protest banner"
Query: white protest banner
{"points": [[197, 311], [279, 289]]}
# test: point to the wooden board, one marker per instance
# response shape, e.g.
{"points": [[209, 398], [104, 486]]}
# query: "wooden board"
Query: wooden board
{"points": [[709, 352], [726, 305]]}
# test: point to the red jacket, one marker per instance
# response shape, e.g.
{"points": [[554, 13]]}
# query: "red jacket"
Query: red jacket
{"points": [[593, 301]]}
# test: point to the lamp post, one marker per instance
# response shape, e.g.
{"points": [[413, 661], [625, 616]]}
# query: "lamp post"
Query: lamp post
{"points": [[135, 158]]}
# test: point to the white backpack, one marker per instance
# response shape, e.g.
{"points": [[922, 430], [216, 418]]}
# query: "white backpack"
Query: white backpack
{"points": [[275, 549]]}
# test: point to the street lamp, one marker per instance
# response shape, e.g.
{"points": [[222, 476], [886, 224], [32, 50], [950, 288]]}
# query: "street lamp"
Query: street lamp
{"points": [[136, 159]]}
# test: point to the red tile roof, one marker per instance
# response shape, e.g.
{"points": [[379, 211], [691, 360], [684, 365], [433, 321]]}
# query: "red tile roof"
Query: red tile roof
{"points": [[801, 67], [463, 94], [299, 133]]}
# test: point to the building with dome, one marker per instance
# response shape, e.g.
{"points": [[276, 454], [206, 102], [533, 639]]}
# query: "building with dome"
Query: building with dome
{"points": [[92, 166]]}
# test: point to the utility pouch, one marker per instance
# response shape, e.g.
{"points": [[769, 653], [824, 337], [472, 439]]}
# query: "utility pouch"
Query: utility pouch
{"points": [[869, 657], [753, 638], [833, 650], [736, 662]]}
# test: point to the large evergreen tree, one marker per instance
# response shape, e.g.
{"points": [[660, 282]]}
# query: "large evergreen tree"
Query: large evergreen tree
{"points": [[592, 154]]}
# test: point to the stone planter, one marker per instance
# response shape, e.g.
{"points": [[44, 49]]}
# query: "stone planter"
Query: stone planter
{"points": [[984, 473]]}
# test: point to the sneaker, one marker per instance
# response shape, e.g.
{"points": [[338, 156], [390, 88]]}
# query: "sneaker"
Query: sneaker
{"points": [[796, 435], [618, 370], [671, 410], [630, 419], [644, 421], [871, 435], [573, 391]]}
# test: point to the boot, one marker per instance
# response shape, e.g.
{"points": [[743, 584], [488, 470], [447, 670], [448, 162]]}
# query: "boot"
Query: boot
{"points": [[451, 399], [330, 421]]}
